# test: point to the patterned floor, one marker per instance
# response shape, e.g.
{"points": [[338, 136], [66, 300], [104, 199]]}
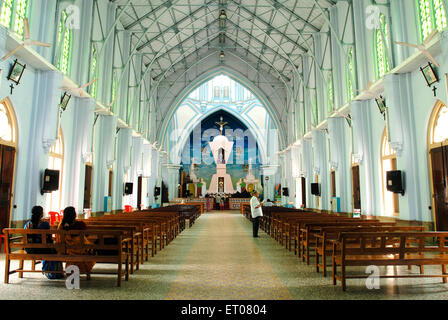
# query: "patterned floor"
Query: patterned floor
{"points": [[225, 263], [218, 259]]}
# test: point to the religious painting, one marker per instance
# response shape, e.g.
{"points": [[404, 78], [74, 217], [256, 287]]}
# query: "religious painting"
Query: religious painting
{"points": [[429, 74]]}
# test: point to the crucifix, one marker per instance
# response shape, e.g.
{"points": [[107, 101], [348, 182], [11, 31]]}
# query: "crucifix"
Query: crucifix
{"points": [[221, 124], [12, 87], [434, 89]]}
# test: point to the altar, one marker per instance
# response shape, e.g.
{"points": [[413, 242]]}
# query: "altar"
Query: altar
{"points": [[235, 203], [221, 149]]}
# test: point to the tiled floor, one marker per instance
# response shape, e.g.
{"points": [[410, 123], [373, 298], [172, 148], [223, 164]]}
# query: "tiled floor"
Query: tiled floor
{"points": [[218, 259]]}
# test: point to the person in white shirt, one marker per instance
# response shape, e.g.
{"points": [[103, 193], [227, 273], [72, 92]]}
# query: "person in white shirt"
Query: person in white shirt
{"points": [[256, 212]]}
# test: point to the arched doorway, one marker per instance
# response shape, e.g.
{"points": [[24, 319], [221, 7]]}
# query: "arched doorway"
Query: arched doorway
{"points": [[53, 200], [8, 147], [438, 164], [388, 163]]}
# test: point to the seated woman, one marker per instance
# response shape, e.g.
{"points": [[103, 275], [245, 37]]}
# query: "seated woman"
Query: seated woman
{"points": [[35, 223], [69, 222]]}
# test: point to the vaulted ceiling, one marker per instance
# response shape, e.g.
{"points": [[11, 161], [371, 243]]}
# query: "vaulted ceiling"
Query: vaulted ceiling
{"points": [[171, 33]]}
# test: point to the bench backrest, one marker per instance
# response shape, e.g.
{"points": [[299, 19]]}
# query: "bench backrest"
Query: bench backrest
{"points": [[398, 243], [17, 239]]}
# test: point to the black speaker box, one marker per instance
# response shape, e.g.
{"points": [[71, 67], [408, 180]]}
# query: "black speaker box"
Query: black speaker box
{"points": [[128, 188], [315, 189], [394, 181], [157, 191], [285, 192], [50, 181]]}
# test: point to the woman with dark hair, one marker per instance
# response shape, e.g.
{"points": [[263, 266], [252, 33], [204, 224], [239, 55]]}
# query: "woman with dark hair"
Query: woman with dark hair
{"points": [[35, 223], [37, 214], [69, 222]]}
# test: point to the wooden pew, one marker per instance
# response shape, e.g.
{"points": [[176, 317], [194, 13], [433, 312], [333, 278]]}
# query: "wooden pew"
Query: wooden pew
{"points": [[130, 231], [325, 234], [308, 229], [373, 248], [185, 212], [151, 232], [16, 241]]}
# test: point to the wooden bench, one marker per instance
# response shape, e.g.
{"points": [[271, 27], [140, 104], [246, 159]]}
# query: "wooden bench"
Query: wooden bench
{"points": [[291, 227], [129, 231], [150, 231], [374, 248], [308, 229], [325, 234], [17, 243]]}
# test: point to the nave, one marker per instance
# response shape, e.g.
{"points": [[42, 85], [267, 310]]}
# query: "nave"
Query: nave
{"points": [[218, 259]]}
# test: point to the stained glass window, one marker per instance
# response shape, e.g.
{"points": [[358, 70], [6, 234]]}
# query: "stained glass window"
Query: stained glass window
{"points": [[440, 15], [350, 74], [13, 13], [64, 37], [6, 13], [114, 85], [93, 87], [315, 114], [330, 92], [21, 14], [432, 16], [381, 38]]}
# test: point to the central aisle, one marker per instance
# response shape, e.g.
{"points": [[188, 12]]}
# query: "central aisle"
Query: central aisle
{"points": [[225, 263]]}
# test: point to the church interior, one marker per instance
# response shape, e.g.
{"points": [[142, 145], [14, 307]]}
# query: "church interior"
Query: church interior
{"points": [[135, 135]]}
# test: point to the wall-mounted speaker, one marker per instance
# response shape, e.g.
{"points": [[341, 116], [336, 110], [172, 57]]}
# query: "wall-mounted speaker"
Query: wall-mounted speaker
{"points": [[395, 181], [285, 192], [128, 188], [50, 181], [156, 191], [315, 189]]}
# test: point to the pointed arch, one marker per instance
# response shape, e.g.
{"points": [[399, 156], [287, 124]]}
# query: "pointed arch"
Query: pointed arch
{"points": [[234, 75], [8, 124], [53, 201], [388, 163]]}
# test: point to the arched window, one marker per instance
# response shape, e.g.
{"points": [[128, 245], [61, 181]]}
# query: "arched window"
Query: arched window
{"points": [[330, 92], [7, 126], [315, 112], [350, 74], [93, 71], [381, 39], [53, 200], [114, 87], [440, 127], [64, 40], [388, 163], [432, 16], [13, 13]]}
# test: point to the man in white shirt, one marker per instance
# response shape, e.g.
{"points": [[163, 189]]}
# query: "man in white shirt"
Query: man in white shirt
{"points": [[256, 212]]}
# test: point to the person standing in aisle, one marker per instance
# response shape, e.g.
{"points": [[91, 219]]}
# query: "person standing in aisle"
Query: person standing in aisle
{"points": [[256, 212]]}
